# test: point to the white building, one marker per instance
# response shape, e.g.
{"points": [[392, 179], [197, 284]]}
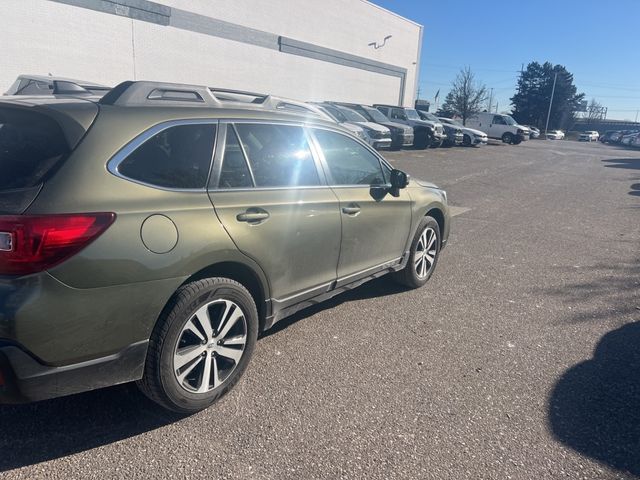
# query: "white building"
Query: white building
{"points": [[304, 49]]}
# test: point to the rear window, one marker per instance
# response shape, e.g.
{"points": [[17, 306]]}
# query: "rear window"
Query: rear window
{"points": [[31, 145], [178, 157]]}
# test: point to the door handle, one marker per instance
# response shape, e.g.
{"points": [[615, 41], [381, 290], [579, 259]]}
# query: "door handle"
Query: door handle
{"points": [[253, 215], [351, 209]]}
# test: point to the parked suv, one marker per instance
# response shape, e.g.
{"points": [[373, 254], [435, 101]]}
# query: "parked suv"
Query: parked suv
{"points": [[401, 135], [589, 136], [425, 133], [151, 235]]}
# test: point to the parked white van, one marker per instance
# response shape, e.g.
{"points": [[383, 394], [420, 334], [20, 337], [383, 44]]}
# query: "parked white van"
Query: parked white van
{"points": [[499, 126]]}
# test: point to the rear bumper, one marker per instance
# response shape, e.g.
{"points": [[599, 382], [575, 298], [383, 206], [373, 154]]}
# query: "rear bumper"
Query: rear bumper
{"points": [[24, 378]]}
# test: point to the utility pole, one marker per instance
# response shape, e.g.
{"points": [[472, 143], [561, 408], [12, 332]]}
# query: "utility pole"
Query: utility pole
{"points": [[553, 91], [636, 121], [490, 101], [497, 107]]}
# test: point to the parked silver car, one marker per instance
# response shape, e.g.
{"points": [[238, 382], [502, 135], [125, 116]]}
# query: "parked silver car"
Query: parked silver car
{"points": [[471, 137]]}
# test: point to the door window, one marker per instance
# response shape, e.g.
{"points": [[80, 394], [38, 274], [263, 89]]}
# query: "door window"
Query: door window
{"points": [[178, 157], [235, 171], [498, 120], [279, 155], [349, 162]]}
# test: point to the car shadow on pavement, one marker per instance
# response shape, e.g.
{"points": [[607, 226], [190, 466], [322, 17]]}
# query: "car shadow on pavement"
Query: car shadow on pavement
{"points": [[595, 406], [626, 163], [51, 429], [380, 287]]}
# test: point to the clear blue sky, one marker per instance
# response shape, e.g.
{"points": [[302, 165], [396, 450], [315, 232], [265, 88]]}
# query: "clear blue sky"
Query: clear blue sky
{"points": [[598, 41]]}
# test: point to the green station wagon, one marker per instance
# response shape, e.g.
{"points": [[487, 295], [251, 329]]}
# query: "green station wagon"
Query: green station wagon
{"points": [[150, 235]]}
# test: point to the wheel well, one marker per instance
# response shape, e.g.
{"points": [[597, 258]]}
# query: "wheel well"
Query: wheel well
{"points": [[439, 217], [240, 273]]}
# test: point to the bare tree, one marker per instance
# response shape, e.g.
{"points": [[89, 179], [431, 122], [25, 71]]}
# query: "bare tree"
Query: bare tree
{"points": [[595, 111], [466, 96]]}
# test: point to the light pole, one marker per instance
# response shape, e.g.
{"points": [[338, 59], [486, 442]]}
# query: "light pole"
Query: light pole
{"points": [[553, 91]]}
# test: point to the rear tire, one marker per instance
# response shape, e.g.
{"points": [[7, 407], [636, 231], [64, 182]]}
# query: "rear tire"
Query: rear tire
{"points": [[507, 138], [189, 364], [423, 255]]}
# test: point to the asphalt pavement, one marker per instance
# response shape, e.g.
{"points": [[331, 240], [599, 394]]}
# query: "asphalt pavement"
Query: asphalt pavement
{"points": [[518, 360]]}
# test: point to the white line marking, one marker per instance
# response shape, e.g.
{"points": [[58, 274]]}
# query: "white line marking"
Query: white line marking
{"points": [[455, 211]]}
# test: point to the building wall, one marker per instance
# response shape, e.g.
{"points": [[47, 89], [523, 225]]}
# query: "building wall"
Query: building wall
{"points": [[305, 49]]}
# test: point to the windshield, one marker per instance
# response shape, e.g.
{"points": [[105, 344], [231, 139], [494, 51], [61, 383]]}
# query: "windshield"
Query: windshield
{"points": [[430, 116], [351, 115], [509, 120], [375, 115], [412, 114], [334, 113]]}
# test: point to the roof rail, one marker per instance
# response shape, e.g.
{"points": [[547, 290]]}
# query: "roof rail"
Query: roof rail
{"points": [[144, 93]]}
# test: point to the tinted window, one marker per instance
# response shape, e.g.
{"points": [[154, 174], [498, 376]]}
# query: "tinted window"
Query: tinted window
{"points": [[279, 155], [498, 120], [34, 87], [235, 172], [349, 162], [31, 144], [398, 114], [178, 157]]}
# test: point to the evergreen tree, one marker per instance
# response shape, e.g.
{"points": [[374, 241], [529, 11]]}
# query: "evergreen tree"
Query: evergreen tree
{"points": [[531, 101]]}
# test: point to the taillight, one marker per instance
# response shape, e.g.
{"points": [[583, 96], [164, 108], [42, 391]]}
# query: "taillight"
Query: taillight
{"points": [[33, 243]]}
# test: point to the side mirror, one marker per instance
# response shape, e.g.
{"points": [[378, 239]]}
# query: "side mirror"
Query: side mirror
{"points": [[399, 179]]}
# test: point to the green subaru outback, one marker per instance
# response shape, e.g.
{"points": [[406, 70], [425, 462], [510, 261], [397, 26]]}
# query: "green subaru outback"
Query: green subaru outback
{"points": [[150, 235]]}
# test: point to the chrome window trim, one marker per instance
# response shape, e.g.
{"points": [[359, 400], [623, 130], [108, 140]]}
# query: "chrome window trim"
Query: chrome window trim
{"points": [[114, 162]]}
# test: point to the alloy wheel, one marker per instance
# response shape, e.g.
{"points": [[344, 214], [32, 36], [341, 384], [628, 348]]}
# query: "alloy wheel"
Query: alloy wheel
{"points": [[426, 251], [210, 346]]}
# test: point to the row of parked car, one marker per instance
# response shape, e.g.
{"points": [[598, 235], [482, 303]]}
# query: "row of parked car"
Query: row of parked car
{"points": [[382, 126], [630, 138]]}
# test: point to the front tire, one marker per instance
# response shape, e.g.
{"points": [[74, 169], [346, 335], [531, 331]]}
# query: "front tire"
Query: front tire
{"points": [[201, 345], [507, 138], [423, 256], [466, 140]]}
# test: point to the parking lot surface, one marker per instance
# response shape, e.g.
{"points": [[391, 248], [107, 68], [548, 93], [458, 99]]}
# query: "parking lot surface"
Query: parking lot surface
{"points": [[519, 359]]}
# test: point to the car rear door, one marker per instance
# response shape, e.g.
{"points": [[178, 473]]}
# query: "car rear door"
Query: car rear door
{"points": [[271, 196], [375, 224]]}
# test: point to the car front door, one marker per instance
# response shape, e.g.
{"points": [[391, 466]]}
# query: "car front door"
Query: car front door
{"points": [[375, 224], [272, 198], [498, 127]]}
